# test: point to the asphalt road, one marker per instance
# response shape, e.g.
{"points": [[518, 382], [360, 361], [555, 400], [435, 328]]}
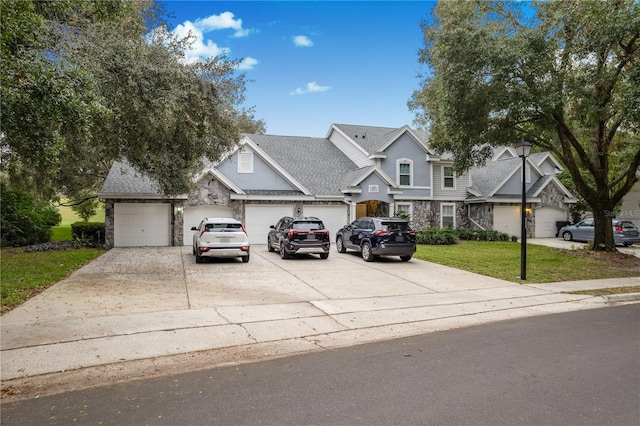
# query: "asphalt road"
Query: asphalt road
{"points": [[578, 368]]}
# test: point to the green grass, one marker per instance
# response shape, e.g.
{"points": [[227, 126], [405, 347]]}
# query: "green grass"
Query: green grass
{"points": [[62, 232], [23, 275], [544, 264]]}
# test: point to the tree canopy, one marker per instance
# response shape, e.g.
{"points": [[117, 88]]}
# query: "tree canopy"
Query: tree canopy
{"points": [[565, 78], [84, 84]]}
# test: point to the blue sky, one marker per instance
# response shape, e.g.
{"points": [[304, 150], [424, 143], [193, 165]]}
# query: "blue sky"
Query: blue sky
{"points": [[313, 63]]}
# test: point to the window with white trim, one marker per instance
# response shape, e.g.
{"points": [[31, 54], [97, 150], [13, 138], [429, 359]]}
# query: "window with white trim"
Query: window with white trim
{"points": [[404, 171], [448, 178], [447, 215], [404, 210], [245, 162], [527, 172]]}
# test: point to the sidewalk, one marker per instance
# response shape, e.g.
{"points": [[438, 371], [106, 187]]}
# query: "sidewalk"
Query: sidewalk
{"points": [[135, 313]]}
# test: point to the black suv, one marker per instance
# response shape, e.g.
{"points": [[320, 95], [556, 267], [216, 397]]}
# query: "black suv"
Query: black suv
{"points": [[378, 236], [299, 235]]}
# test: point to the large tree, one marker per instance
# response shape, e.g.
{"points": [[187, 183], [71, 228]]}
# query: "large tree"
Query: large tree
{"points": [[88, 83], [562, 75]]}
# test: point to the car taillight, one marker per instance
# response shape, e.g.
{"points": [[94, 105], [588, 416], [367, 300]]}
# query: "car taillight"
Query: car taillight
{"points": [[244, 230], [202, 232], [412, 232], [618, 228], [381, 233]]}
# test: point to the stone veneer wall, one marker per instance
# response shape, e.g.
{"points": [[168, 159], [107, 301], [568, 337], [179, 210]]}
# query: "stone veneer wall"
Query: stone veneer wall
{"points": [[426, 214]]}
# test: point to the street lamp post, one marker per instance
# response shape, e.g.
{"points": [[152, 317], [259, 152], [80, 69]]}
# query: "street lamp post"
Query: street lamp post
{"points": [[523, 148]]}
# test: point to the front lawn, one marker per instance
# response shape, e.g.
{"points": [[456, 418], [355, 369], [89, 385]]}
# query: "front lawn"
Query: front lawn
{"points": [[544, 264], [23, 274]]}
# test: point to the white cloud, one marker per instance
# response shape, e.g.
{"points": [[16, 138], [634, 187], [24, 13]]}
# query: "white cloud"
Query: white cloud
{"points": [[311, 87], [221, 22], [204, 48], [247, 63], [303, 41]]}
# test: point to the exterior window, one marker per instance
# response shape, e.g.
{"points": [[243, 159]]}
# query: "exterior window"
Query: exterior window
{"points": [[405, 173], [245, 162], [403, 210], [447, 216], [448, 178], [527, 173]]}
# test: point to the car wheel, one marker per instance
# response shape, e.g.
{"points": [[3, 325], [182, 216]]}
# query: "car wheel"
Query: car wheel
{"points": [[245, 259], [567, 236], [340, 246], [269, 247], [405, 258], [199, 258], [366, 252], [194, 250], [283, 252], [324, 255]]}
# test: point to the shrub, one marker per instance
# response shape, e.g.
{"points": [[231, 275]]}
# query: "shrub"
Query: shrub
{"points": [[88, 233], [23, 220], [445, 236], [436, 236]]}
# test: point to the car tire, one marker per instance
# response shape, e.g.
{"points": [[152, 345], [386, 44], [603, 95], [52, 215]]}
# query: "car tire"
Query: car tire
{"points": [[245, 259], [340, 245], [366, 252], [199, 258], [324, 255], [269, 246], [567, 236], [194, 250], [405, 258], [283, 252]]}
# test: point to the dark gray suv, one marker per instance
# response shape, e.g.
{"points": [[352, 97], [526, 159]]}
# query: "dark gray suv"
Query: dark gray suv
{"points": [[300, 235], [378, 236]]}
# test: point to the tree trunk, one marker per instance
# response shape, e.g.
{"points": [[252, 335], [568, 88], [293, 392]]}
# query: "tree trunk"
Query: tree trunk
{"points": [[603, 231]]}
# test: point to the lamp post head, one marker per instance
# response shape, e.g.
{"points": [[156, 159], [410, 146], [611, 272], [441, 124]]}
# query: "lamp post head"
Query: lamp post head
{"points": [[523, 148]]}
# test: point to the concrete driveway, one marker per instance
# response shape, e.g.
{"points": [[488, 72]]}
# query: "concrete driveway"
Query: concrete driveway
{"points": [[144, 311]]}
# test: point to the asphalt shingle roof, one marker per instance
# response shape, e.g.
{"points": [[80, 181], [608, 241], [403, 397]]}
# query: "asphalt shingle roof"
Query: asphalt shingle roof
{"points": [[124, 179], [315, 162]]}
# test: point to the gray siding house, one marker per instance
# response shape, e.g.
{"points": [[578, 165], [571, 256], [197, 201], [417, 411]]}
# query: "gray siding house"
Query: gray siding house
{"points": [[353, 171]]}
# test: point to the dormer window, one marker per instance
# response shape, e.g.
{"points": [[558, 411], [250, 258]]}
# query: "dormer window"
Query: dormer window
{"points": [[405, 172], [245, 161]]}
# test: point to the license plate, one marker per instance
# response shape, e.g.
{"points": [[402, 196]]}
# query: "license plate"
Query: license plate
{"points": [[399, 238], [224, 239], [311, 237]]}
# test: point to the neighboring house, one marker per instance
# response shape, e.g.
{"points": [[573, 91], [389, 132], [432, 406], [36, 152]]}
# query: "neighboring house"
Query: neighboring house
{"points": [[630, 206], [352, 172]]}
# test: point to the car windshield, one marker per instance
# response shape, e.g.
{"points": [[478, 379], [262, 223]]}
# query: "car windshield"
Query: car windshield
{"points": [[223, 227], [395, 226], [307, 226]]}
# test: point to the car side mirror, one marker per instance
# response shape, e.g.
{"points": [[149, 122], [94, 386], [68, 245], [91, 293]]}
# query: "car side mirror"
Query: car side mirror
{"points": [[193, 228], [272, 227]]}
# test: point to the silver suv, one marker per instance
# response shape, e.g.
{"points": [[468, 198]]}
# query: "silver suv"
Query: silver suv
{"points": [[220, 237]]}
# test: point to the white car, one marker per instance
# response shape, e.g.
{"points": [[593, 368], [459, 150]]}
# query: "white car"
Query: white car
{"points": [[220, 237]]}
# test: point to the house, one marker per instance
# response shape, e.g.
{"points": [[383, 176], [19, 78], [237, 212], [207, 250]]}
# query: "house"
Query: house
{"points": [[352, 172], [630, 205]]}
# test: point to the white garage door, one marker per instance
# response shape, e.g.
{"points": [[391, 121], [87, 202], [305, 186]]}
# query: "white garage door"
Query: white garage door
{"points": [[259, 217], [138, 225], [507, 219], [333, 217], [193, 215], [546, 218]]}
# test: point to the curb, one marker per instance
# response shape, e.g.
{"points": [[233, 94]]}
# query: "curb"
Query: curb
{"points": [[624, 297]]}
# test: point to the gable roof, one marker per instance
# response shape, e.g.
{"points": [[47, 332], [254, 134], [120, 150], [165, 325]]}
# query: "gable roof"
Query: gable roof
{"points": [[488, 179], [315, 162], [374, 140]]}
